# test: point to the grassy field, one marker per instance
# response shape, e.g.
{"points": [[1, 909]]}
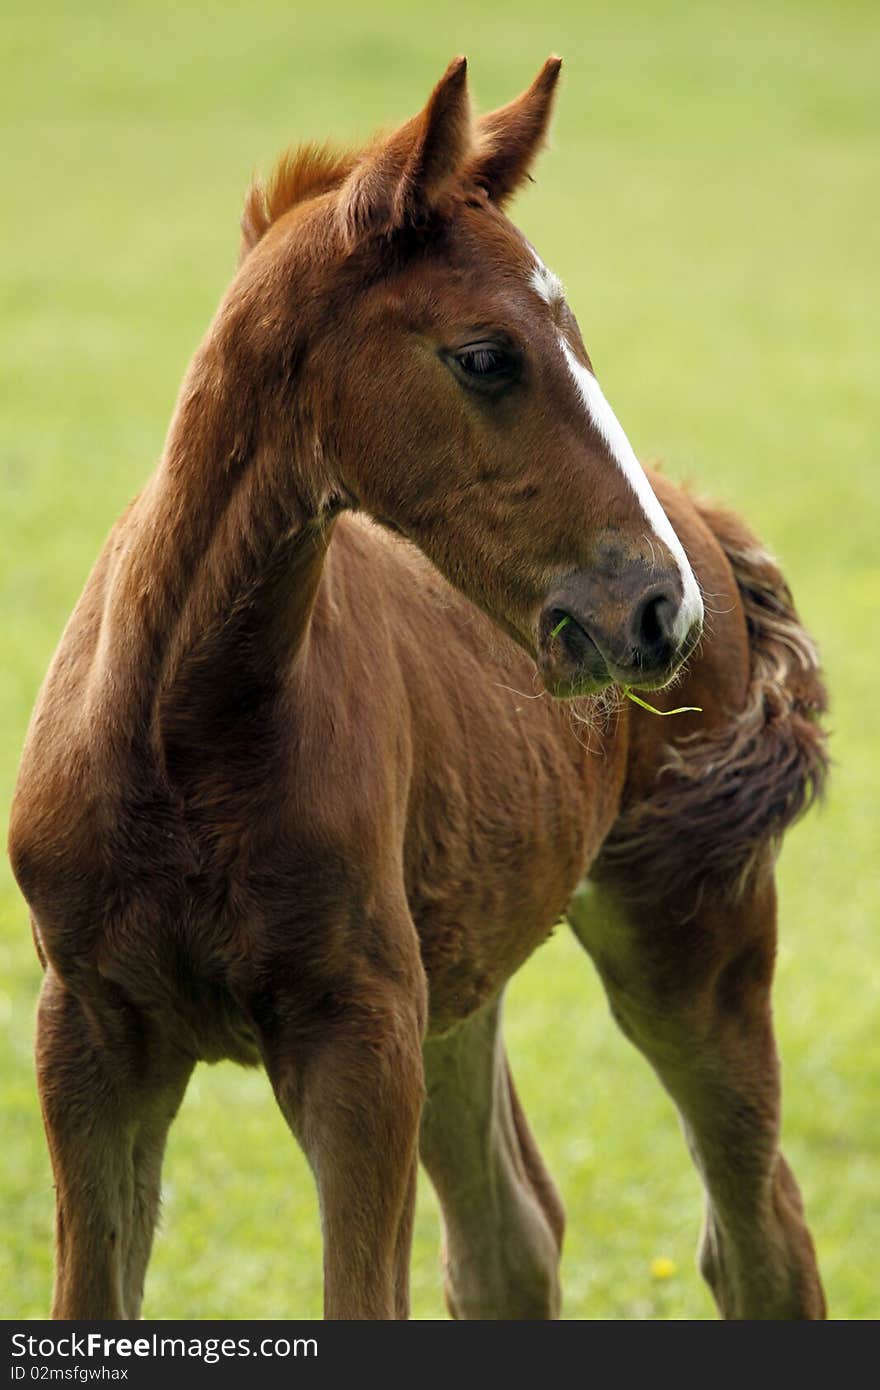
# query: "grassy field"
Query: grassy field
{"points": [[711, 202]]}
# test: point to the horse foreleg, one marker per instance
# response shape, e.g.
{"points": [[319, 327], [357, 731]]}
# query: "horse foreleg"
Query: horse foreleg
{"points": [[502, 1215], [106, 1116], [691, 989], [351, 1088]]}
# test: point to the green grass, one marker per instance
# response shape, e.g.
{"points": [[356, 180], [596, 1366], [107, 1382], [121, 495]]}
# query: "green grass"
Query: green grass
{"points": [[711, 202]]}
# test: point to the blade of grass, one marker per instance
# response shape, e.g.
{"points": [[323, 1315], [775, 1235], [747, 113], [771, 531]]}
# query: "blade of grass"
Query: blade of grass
{"points": [[664, 713]]}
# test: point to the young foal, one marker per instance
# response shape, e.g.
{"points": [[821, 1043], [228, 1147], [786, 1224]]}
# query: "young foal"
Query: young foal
{"points": [[282, 802]]}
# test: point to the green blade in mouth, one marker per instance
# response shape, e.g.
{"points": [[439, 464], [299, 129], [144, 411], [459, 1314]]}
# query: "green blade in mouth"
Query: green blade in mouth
{"points": [[664, 713], [627, 690]]}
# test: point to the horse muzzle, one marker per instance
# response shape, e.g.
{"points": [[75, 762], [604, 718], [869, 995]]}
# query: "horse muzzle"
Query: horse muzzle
{"points": [[594, 631]]}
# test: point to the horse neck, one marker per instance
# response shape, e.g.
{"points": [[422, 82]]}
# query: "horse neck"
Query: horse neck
{"points": [[216, 567]]}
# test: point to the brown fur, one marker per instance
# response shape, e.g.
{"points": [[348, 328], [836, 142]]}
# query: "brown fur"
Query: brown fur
{"points": [[292, 793]]}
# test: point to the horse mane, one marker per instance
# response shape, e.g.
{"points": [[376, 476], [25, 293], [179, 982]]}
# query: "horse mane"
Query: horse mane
{"points": [[301, 173]]}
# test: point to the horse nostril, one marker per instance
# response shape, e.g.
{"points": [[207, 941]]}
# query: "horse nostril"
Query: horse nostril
{"points": [[566, 634], [653, 622], [562, 625], [650, 627]]}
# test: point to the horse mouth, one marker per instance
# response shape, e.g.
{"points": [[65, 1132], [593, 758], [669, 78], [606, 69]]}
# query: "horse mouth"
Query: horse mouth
{"points": [[573, 662]]}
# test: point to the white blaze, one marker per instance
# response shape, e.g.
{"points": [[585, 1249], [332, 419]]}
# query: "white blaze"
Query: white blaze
{"points": [[545, 283], [550, 288], [611, 430]]}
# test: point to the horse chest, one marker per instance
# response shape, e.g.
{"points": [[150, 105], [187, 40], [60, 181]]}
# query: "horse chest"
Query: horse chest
{"points": [[486, 888]]}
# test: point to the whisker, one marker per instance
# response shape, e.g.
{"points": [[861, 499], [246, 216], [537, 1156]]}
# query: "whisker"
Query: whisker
{"points": [[540, 695]]}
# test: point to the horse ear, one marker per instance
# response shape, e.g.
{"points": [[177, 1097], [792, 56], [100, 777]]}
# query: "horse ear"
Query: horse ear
{"points": [[402, 178], [509, 139]]}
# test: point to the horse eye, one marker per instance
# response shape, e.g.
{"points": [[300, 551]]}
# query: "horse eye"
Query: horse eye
{"points": [[483, 360], [485, 363]]}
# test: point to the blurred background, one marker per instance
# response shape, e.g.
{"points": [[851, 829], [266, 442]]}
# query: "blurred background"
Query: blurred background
{"points": [[711, 202]]}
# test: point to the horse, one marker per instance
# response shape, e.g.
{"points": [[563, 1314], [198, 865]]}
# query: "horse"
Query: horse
{"points": [[336, 734]]}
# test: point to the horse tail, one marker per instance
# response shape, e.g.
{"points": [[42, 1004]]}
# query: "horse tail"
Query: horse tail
{"points": [[726, 797]]}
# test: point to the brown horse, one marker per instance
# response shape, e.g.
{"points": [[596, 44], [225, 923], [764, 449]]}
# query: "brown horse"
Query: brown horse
{"points": [[287, 797]]}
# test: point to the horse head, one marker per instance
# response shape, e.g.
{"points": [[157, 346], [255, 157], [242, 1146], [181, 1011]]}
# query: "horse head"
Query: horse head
{"points": [[451, 393]]}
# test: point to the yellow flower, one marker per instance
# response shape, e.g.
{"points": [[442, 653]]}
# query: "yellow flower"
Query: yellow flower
{"points": [[662, 1267]]}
